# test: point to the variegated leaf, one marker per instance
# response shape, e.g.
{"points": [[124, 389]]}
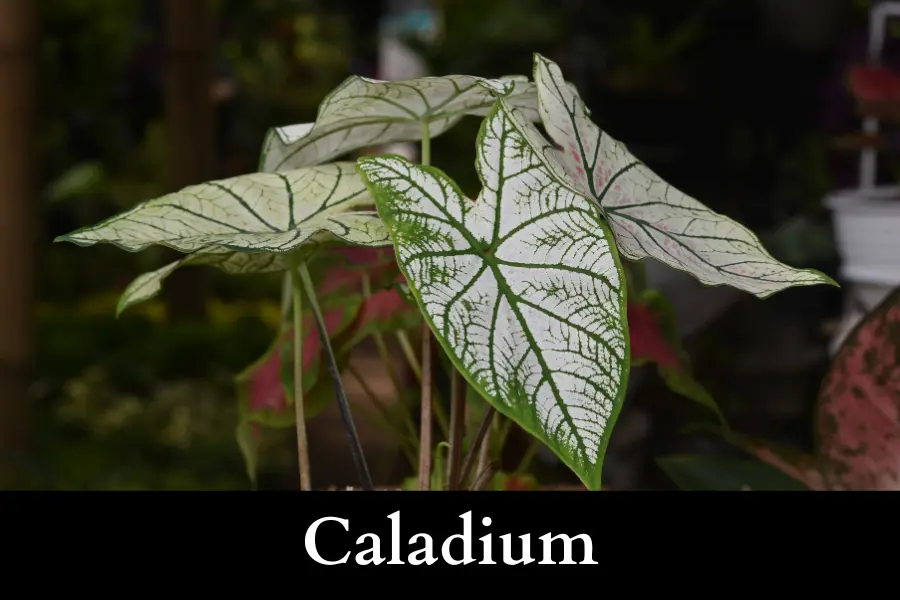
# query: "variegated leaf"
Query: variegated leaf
{"points": [[258, 215], [648, 216], [859, 405], [147, 285], [522, 288], [365, 112]]}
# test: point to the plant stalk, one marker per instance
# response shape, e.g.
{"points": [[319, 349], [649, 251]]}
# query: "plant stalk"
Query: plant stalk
{"points": [[484, 454], [383, 353], [356, 450], [425, 420], [384, 412], [300, 417], [409, 353], [480, 437], [457, 429], [425, 417]]}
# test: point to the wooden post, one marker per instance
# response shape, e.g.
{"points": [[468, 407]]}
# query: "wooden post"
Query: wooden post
{"points": [[18, 71]]}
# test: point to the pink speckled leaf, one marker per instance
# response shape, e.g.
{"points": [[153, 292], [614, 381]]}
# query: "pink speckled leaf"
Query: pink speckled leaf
{"points": [[649, 217], [859, 405]]}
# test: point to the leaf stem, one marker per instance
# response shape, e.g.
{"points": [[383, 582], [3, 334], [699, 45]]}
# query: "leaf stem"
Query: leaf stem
{"points": [[356, 450], [286, 299], [480, 438], [383, 353], [300, 417], [426, 143], [409, 354], [528, 457], [385, 413], [425, 419], [457, 428], [388, 364]]}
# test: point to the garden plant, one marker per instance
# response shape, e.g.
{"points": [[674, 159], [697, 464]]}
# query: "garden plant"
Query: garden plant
{"points": [[528, 288]]}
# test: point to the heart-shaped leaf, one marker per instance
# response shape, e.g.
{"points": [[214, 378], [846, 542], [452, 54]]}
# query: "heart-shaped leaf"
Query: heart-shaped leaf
{"points": [[260, 213], [648, 216], [522, 288], [365, 112]]}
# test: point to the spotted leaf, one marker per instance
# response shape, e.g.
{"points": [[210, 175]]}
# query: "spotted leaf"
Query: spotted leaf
{"points": [[649, 217], [522, 288], [859, 405], [365, 112]]}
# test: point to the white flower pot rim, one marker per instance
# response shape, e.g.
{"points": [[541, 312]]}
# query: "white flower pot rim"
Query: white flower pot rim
{"points": [[882, 199]]}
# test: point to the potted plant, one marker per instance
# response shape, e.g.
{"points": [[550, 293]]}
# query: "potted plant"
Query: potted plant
{"points": [[527, 294], [867, 218]]}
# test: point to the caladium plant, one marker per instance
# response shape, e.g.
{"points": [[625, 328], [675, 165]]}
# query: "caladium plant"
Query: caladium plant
{"points": [[523, 287]]}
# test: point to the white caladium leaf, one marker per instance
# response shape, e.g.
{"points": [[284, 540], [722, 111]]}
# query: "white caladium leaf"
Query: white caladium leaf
{"points": [[260, 212], [648, 216], [148, 285], [365, 112], [244, 224], [523, 288]]}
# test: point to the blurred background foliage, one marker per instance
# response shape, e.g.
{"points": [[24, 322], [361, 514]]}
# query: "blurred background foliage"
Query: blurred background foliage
{"points": [[703, 91]]}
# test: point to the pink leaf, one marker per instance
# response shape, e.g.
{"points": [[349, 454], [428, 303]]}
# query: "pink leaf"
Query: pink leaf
{"points": [[859, 405], [262, 386], [374, 262], [647, 339], [382, 305]]}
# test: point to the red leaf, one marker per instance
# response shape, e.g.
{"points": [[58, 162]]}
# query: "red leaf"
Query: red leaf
{"points": [[647, 339], [874, 84], [265, 392], [362, 255], [382, 305], [859, 405], [375, 262]]}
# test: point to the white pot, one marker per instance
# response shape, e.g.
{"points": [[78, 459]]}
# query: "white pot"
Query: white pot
{"points": [[867, 232]]}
